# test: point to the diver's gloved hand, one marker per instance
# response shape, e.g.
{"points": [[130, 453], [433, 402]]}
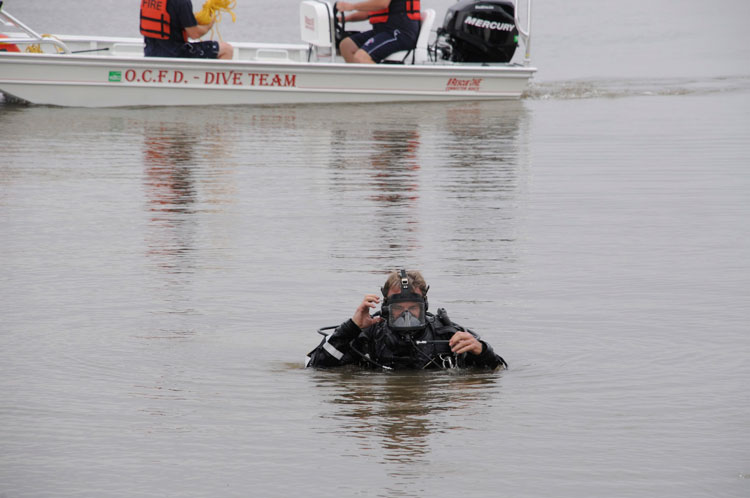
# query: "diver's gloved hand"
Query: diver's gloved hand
{"points": [[362, 318], [464, 342]]}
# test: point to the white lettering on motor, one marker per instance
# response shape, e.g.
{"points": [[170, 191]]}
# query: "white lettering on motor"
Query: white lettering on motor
{"points": [[483, 23]]}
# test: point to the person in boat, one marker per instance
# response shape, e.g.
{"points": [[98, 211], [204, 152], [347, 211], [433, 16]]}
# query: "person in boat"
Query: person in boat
{"points": [[395, 27], [166, 26], [403, 335]]}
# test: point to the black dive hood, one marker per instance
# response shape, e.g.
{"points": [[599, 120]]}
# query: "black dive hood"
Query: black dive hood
{"points": [[405, 311]]}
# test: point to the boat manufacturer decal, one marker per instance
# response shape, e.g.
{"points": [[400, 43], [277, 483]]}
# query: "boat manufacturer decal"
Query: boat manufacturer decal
{"points": [[204, 78], [469, 84], [310, 23], [484, 23]]}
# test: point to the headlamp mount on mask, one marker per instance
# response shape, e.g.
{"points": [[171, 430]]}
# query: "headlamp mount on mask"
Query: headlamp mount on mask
{"points": [[405, 311]]}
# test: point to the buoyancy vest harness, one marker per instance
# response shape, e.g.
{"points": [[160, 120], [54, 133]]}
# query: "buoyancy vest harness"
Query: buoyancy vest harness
{"points": [[411, 7], [155, 20]]}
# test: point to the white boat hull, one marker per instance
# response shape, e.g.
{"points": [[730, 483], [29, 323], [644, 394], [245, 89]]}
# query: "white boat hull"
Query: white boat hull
{"points": [[107, 81]]}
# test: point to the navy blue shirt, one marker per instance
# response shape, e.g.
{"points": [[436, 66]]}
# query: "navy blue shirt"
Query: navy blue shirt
{"points": [[181, 17], [397, 19]]}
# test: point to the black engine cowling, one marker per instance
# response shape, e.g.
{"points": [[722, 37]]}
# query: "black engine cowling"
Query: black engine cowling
{"points": [[479, 31]]}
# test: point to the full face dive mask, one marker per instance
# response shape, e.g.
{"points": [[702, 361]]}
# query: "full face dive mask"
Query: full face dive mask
{"points": [[406, 310]]}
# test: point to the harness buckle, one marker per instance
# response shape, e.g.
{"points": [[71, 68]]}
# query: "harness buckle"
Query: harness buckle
{"points": [[447, 361]]}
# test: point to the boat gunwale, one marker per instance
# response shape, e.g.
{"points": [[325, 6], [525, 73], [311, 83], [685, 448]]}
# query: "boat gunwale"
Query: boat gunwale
{"points": [[498, 69]]}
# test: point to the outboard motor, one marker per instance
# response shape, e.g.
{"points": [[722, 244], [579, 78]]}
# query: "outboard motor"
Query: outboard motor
{"points": [[478, 31]]}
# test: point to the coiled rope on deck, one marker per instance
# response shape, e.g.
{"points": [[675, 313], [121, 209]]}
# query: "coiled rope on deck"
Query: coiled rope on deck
{"points": [[36, 48], [213, 8]]}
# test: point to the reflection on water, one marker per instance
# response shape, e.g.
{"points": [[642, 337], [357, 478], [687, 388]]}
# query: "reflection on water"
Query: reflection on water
{"points": [[396, 415], [186, 175], [412, 174], [168, 159], [395, 178], [479, 180], [186, 180], [384, 176], [397, 156], [481, 132], [169, 183]]}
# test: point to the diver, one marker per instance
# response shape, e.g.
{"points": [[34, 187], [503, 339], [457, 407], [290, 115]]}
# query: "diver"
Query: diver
{"points": [[402, 335]]}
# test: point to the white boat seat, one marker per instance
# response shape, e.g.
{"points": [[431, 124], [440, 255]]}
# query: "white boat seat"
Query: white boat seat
{"points": [[418, 54]]}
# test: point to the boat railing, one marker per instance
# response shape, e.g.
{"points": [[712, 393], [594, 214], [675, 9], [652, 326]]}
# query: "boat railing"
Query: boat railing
{"points": [[127, 49], [525, 33], [33, 37]]}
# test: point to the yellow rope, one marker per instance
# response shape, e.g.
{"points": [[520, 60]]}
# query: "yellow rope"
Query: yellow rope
{"points": [[213, 8], [36, 48]]}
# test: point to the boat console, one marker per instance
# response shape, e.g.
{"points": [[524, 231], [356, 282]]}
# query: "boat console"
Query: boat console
{"points": [[316, 24]]}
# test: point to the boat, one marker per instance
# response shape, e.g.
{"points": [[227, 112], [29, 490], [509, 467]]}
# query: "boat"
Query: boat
{"points": [[481, 52]]}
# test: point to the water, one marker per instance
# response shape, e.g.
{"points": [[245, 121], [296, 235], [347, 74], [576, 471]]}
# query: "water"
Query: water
{"points": [[164, 271]]}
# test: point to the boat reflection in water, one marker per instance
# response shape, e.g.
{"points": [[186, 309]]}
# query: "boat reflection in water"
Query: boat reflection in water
{"points": [[383, 176], [168, 158], [437, 178]]}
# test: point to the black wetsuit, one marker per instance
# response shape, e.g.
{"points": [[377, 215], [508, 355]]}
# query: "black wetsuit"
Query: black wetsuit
{"points": [[379, 347]]}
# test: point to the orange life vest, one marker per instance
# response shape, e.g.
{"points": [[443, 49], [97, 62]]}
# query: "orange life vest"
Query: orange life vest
{"points": [[155, 19], [8, 47], [411, 8]]}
